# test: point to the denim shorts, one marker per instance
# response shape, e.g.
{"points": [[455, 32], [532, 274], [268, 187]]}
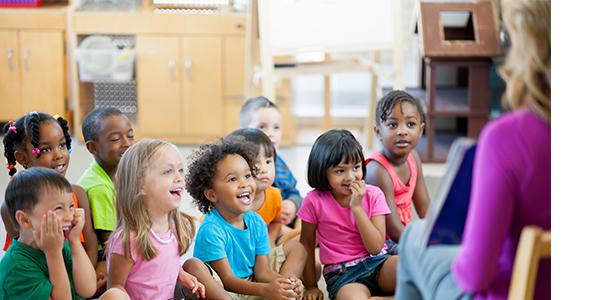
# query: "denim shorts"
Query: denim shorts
{"points": [[365, 272]]}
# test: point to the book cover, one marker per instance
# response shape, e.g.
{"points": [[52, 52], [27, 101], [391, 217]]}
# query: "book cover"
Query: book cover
{"points": [[446, 218]]}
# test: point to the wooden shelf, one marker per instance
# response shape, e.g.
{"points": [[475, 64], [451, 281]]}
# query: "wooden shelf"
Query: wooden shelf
{"points": [[44, 17], [449, 102], [144, 21]]}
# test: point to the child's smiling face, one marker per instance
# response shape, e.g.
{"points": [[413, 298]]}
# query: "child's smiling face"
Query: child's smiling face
{"points": [[58, 201], [114, 137], [401, 132], [53, 149], [233, 186], [163, 183]]}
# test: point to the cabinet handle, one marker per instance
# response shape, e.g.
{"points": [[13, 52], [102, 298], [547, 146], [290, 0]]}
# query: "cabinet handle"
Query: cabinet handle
{"points": [[172, 64], [26, 59], [187, 65], [9, 55]]}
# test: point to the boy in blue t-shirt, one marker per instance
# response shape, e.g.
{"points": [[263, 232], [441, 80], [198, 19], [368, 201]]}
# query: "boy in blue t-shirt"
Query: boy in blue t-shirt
{"points": [[233, 239]]}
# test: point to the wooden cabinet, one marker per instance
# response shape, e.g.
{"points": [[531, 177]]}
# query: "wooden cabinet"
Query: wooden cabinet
{"points": [[180, 91], [32, 72]]}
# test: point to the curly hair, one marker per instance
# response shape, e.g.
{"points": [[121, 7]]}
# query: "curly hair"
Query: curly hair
{"points": [[387, 103], [203, 164], [527, 67], [27, 128]]}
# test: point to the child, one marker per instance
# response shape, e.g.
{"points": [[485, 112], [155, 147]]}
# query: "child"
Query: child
{"points": [[349, 219], [39, 264], [267, 199], [399, 123], [40, 140], [107, 133], [263, 114], [232, 238], [144, 250]]}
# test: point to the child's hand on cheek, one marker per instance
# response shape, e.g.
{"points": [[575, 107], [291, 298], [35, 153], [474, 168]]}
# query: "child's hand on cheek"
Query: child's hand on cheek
{"points": [[358, 192], [77, 225], [49, 237]]}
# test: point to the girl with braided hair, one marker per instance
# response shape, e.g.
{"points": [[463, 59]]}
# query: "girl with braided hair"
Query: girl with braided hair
{"points": [[39, 140]]}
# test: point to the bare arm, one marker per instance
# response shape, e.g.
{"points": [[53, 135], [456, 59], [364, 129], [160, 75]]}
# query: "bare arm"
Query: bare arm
{"points": [[91, 240], [421, 196], [84, 274], [372, 231], [378, 176], [234, 284], [307, 239], [118, 271], [262, 271]]}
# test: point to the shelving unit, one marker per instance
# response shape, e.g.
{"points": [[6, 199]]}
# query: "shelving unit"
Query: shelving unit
{"points": [[32, 60]]}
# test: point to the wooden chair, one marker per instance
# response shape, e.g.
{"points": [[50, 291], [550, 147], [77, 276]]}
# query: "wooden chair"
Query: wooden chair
{"points": [[533, 246]]}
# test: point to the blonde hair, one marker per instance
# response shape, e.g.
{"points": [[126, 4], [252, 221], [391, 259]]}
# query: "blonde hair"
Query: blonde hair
{"points": [[132, 214], [527, 67]]}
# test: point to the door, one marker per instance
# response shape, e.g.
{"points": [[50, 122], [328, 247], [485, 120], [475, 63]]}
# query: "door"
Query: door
{"points": [[10, 82], [158, 78], [42, 71], [202, 86]]}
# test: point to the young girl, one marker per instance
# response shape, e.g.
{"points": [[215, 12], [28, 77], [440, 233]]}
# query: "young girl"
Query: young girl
{"points": [[232, 238], [144, 250], [399, 123], [349, 219], [40, 140]]}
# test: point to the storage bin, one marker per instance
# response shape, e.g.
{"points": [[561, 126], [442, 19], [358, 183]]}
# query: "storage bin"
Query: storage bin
{"points": [[20, 3], [99, 59]]}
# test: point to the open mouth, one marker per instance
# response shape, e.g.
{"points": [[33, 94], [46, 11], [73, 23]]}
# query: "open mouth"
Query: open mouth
{"points": [[60, 168], [66, 229], [176, 192], [245, 198]]}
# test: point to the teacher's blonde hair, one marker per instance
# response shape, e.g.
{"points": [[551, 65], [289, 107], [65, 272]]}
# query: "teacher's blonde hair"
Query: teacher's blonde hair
{"points": [[527, 67]]}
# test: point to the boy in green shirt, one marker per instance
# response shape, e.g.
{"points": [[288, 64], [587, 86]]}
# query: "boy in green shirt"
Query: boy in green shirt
{"points": [[39, 264], [107, 133]]}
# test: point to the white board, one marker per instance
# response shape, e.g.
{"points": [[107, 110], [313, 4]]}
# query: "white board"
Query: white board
{"points": [[330, 25]]}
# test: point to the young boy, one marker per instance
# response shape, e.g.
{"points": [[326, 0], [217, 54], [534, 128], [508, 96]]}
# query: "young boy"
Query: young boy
{"points": [[39, 264], [233, 239], [107, 133], [263, 114]]}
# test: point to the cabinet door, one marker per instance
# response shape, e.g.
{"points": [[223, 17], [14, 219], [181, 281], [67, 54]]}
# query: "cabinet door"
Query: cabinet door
{"points": [[43, 71], [10, 86], [202, 86], [234, 81], [158, 78]]}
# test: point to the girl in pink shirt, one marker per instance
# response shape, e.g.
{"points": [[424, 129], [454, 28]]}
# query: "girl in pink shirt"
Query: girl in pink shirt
{"points": [[348, 217], [144, 250]]}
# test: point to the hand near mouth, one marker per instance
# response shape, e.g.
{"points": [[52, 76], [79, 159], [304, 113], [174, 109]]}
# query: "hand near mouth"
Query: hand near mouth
{"points": [[49, 237], [358, 192], [77, 225]]}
